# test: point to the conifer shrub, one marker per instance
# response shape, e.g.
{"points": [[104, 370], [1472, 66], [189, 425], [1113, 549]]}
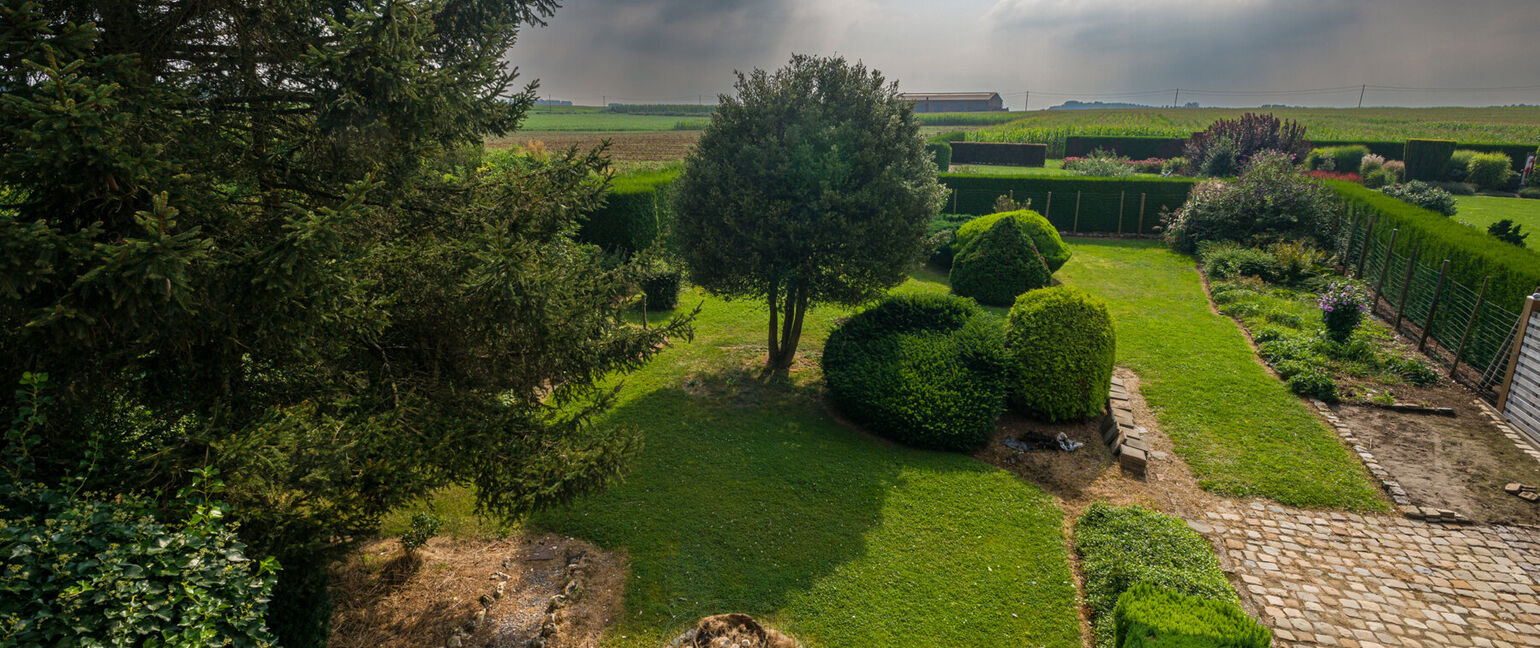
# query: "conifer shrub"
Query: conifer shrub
{"points": [[996, 266], [1060, 343], [924, 370], [1426, 159], [1147, 616], [1055, 253]]}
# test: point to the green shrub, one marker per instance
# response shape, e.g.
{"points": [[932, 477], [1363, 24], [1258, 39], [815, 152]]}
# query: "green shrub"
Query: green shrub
{"points": [[1426, 159], [422, 528], [1314, 382], [1342, 159], [1122, 546], [660, 281], [1378, 178], [926, 370], [1370, 163], [1320, 159], [1507, 232], [1147, 616], [111, 572], [941, 238], [634, 213], [1413, 370], [941, 152], [1100, 164], [1459, 165], [996, 266], [1055, 253], [1226, 259], [1488, 170], [1061, 344], [1423, 195], [1273, 199], [1530, 192]]}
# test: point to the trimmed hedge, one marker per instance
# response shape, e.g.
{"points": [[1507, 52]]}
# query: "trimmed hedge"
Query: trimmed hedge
{"points": [[1472, 254], [635, 211], [1055, 253], [941, 152], [996, 266], [1107, 205], [1426, 159], [925, 370], [1122, 546], [1147, 616], [1137, 148], [999, 153], [1061, 343]]}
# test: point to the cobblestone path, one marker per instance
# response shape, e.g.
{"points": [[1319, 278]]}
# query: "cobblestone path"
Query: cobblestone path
{"points": [[1357, 581]]}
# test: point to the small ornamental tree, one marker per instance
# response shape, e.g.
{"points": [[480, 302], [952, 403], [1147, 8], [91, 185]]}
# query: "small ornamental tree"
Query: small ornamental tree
{"points": [[812, 185]]}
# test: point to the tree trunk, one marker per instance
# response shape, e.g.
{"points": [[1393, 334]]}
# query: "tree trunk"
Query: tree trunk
{"points": [[774, 352], [791, 328]]}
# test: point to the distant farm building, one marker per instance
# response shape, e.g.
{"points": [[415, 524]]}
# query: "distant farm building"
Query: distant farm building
{"points": [[940, 102]]}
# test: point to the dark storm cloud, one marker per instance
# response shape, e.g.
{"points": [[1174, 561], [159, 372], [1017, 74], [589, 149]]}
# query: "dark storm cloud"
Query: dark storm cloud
{"points": [[657, 50]]}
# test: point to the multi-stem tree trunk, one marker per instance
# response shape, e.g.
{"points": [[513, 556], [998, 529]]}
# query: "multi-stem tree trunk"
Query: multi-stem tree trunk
{"points": [[786, 313]]}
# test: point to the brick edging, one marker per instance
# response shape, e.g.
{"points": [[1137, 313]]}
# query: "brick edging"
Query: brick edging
{"points": [[1121, 435], [1524, 445], [1387, 482]]}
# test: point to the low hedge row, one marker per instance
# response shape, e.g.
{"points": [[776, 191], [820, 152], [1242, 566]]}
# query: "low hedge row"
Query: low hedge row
{"points": [[1109, 205], [1473, 254], [1147, 616], [1136, 148], [998, 153], [1120, 547], [925, 370], [635, 211]]}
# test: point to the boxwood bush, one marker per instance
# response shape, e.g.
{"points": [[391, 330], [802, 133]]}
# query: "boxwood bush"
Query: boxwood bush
{"points": [[1122, 546], [925, 370], [1147, 616], [996, 266], [83, 571], [1055, 253], [1061, 344]]}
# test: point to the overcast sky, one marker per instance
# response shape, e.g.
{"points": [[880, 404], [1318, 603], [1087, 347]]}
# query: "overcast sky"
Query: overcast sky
{"points": [[677, 51]]}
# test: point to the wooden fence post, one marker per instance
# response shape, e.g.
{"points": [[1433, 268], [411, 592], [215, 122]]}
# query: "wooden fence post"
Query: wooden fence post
{"points": [[1121, 196], [1411, 264], [1469, 324], [1364, 253], [1048, 210], [1513, 357], [1438, 290], [1141, 214], [1347, 255], [1076, 226], [1384, 270]]}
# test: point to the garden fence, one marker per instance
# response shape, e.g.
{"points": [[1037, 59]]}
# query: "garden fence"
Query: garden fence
{"points": [[1080, 212], [1455, 324], [1519, 396]]}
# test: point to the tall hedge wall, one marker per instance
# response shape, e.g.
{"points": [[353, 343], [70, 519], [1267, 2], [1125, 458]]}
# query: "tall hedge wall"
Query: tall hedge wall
{"points": [[1138, 148], [1426, 159], [941, 152], [1026, 155], [1397, 150], [1473, 254], [1099, 199], [635, 211]]}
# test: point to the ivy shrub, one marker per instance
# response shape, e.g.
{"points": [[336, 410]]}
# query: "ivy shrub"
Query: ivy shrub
{"points": [[1055, 253], [1147, 616], [998, 265], [1061, 345], [86, 572], [1122, 546], [924, 370]]}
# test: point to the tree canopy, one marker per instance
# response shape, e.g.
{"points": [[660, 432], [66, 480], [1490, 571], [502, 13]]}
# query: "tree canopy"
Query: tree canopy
{"points": [[262, 237], [812, 185]]}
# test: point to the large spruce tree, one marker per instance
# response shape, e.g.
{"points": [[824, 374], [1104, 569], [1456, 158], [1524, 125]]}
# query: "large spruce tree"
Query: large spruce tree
{"points": [[260, 236]]}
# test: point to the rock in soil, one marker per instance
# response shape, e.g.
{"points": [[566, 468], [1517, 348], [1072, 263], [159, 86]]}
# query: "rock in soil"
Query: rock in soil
{"points": [[733, 631]]}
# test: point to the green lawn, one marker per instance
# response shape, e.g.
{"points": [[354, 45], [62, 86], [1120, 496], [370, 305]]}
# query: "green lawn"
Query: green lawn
{"points": [[1049, 168], [1241, 430], [579, 119], [749, 497], [1481, 211]]}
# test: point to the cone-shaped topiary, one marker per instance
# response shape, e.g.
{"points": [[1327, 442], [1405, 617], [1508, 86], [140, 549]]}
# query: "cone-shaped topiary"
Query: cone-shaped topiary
{"points": [[996, 266], [1044, 236], [1061, 344]]}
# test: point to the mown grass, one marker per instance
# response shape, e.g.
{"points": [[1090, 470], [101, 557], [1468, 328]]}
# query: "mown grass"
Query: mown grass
{"points": [[1481, 211], [749, 496], [1238, 427]]}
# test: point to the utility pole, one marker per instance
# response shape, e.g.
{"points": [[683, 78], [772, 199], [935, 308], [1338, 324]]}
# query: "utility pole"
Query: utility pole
{"points": [[1361, 89], [1176, 101], [1026, 101], [604, 101]]}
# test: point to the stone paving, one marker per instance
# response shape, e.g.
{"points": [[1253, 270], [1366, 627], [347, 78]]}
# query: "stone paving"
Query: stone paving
{"points": [[1364, 581]]}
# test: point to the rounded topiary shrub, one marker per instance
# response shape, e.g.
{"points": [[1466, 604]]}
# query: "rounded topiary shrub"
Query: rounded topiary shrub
{"points": [[925, 370], [996, 266], [1044, 236], [1060, 344]]}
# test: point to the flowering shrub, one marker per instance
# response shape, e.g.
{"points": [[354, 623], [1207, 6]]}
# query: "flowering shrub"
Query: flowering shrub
{"points": [[1249, 135], [1423, 195], [1396, 168], [1337, 175], [1370, 163], [1271, 200], [1342, 308], [1098, 164]]}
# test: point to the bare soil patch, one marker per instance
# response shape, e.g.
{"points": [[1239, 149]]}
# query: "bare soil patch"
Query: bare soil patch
{"points": [[627, 149], [382, 598]]}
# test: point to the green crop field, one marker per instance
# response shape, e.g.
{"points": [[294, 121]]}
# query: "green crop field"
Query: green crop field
{"points": [[639, 118], [1470, 125]]}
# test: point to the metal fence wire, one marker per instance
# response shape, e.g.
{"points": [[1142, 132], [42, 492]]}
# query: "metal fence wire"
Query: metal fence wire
{"points": [[1454, 324], [1085, 212]]}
